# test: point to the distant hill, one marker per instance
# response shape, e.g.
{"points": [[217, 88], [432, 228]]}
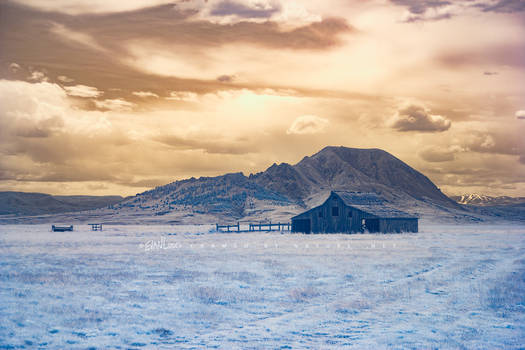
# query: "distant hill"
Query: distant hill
{"points": [[24, 203], [230, 195], [284, 190], [278, 193], [482, 200], [342, 168]]}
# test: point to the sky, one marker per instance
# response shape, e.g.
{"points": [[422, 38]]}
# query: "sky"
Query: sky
{"points": [[116, 97]]}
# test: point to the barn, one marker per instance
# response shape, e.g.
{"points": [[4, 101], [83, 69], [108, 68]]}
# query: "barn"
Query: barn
{"points": [[354, 212]]}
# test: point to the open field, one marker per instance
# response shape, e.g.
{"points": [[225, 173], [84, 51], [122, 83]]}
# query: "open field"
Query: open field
{"points": [[182, 287]]}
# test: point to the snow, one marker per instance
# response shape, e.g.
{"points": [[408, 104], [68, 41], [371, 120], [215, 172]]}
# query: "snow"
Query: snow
{"points": [[186, 287]]}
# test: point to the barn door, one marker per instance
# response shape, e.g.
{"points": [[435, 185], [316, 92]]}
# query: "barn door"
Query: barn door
{"points": [[302, 225], [372, 225]]}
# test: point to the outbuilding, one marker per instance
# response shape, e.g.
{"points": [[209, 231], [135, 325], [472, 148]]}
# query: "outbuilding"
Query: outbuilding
{"points": [[354, 212]]}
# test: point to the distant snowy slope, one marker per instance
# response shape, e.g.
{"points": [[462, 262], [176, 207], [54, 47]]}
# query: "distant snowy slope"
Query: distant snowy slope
{"points": [[482, 200]]}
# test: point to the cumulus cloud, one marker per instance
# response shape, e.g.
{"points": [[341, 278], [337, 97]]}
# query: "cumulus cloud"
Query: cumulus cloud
{"points": [[25, 106], [248, 9], [520, 114], [145, 94], [496, 141], [40, 106], [226, 78], [307, 124], [418, 118], [118, 105], [436, 155], [183, 96], [44, 137], [433, 10], [425, 10], [65, 79], [38, 76], [235, 11], [503, 6], [14, 67], [83, 91]]}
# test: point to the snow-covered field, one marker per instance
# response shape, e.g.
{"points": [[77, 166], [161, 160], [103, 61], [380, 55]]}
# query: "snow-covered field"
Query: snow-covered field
{"points": [[182, 287]]}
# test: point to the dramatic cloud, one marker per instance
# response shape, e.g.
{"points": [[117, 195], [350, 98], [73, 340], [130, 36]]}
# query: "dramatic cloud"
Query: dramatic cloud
{"points": [[436, 155], [503, 6], [235, 11], [248, 10], [432, 10], [145, 94], [118, 105], [421, 6], [65, 79], [497, 141], [425, 10], [83, 91], [307, 124], [37, 76], [14, 67], [226, 78], [182, 96], [75, 37], [208, 143], [148, 92], [418, 118], [504, 54], [76, 7]]}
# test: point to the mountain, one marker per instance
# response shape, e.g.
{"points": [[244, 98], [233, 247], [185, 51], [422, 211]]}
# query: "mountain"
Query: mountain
{"points": [[24, 203], [230, 196], [482, 200], [278, 193], [284, 190], [342, 168]]}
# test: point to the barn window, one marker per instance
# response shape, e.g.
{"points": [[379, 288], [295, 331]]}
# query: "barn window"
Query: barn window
{"points": [[335, 211], [350, 214], [320, 214]]}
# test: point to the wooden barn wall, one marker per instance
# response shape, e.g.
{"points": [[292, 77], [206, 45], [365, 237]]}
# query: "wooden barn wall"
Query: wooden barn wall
{"points": [[398, 225], [327, 223]]}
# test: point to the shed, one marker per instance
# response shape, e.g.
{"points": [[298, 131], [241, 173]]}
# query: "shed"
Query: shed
{"points": [[353, 212]]}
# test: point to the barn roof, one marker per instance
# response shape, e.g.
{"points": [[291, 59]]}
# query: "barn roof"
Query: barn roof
{"points": [[371, 203]]}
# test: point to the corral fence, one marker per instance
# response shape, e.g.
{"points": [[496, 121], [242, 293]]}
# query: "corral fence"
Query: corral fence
{"points": [[254, 226]]}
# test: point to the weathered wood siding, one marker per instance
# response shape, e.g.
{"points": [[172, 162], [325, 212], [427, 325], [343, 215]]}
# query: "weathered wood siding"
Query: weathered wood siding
{"points": [[398, 225], [322, 219]]}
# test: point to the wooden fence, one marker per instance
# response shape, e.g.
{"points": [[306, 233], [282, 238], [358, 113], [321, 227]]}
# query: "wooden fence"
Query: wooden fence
{"points": [[252, 227]]}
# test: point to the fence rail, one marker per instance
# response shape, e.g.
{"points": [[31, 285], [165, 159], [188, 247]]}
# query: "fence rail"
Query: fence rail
{"points": [[252, 227]]}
